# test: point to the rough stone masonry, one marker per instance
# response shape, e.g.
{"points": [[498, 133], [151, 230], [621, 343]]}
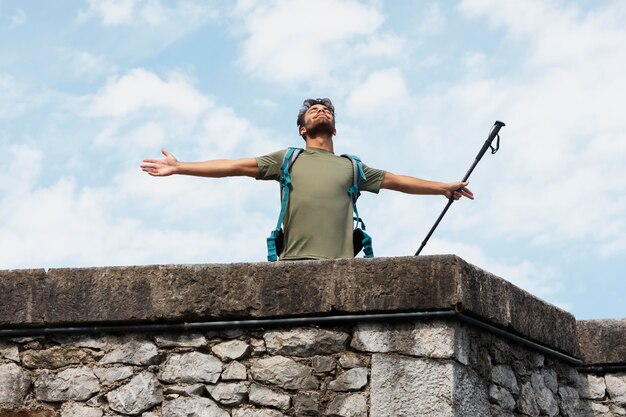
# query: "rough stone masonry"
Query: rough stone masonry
{"points": [[362, 367]]}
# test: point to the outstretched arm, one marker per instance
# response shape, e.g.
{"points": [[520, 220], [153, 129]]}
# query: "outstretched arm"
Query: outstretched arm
{"points": [[216, 169], [412, 185]]}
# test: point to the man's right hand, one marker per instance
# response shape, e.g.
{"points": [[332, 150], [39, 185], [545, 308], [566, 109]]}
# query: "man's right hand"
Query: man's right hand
{"points": [[160, 167]]}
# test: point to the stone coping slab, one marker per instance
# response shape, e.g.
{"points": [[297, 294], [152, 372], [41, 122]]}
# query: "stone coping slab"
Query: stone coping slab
{"points": [[175, 293], [602, 341]]}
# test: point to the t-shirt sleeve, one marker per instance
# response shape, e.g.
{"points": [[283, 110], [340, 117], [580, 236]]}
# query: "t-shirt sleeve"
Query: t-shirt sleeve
{"points": [[374, 179], [269, 165]]}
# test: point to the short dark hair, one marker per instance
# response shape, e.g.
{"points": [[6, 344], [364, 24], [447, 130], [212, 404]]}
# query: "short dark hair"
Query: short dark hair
{"points": [[308, 103]]}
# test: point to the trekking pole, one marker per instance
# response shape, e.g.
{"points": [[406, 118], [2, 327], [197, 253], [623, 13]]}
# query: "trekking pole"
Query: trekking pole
{"points": [[492, 135]]}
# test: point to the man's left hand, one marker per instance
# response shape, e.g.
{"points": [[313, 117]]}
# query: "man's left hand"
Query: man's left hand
{"points": [[457, 190]]}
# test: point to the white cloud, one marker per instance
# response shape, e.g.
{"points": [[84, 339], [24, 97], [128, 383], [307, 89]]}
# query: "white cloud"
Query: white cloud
{"points": [[474, 60], [562, 34], [140, 110], [382, 94], [22, 170], [433, 22], [140, 90], [150, 12], [265, 103], [283, 45], [385, 45], [149, 23], [19, 98], [83, 64], [111, 12]]}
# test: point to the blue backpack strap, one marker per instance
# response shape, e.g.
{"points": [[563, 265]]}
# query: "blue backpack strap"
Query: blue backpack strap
{"points": [[357, 175], [285, 188]]}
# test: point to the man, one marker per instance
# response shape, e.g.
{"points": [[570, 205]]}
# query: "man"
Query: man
{"points": [[318, 223]]}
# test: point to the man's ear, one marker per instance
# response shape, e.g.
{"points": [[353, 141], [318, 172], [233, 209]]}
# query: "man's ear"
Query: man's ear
{"points": [[302, 131]]}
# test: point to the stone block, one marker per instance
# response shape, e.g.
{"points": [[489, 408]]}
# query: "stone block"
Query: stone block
{"points": [[504, 376], [140, 394], [352, 380], [283, 372], [347, 405], [616, 387], [602, 341], [569, 401], [263, 396], [305, 342], [22, 294], [392, 284], [108, 376], [57, 357], [190, 368], [72, 409], [133, 352], [14, 383], [231, 350], [501, 397], [36, 410], [349, 360], [230, 394], [307, 404], [83, 295], [527, 403], [323, 364], [234, 371], [403, 385], [432, 339], [9, 351], [258, 346], [193, 406], [546, 400], [185, 390], [73, 384], [550, 380]]}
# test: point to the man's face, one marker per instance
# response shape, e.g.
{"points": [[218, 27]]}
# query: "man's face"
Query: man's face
{"points": [[319, 118]]}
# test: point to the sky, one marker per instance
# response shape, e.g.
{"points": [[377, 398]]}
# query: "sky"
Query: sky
{"points": [[88, 89]]}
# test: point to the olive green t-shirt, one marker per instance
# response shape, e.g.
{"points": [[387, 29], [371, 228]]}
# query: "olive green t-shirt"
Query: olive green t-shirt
{"points": [[318, 222]]}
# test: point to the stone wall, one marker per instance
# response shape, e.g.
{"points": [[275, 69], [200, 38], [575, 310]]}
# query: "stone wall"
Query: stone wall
{"points": [[431, 368], [602, 380], [424, 365]]}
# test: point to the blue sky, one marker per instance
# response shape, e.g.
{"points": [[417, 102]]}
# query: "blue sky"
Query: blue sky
{"points": [[90, 88]]}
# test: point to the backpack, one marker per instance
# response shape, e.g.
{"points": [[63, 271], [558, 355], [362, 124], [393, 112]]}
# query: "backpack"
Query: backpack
{"points": [[360, 239]]}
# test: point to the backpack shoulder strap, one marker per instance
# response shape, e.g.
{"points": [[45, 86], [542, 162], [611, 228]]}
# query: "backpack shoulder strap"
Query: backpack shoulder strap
{"points": [[285, 185], [290, 157], [357, 175]]}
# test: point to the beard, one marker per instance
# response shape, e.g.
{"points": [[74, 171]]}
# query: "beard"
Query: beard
{"points": [[321, 127]]}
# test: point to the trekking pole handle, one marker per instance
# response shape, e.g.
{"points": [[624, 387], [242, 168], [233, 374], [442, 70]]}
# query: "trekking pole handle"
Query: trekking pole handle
{"points": [[492, 135]]}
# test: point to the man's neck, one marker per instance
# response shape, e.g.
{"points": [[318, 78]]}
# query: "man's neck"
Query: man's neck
{"points": [[320, 142]]}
